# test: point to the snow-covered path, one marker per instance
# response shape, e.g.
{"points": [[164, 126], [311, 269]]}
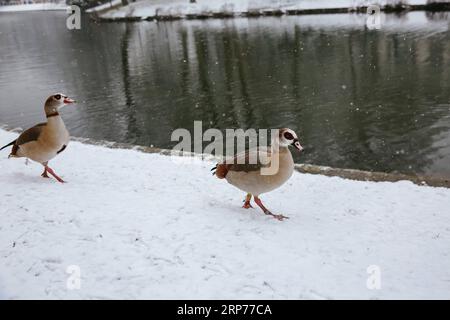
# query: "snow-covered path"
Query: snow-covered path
{"points": [[183, 8], [34, 7], [143, 226]]}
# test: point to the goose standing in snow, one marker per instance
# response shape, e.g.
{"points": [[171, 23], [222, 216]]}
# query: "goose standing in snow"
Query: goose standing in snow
{"points": [[44, 141], [250, 177]]}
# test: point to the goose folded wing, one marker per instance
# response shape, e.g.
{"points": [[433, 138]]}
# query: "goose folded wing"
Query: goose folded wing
{"points": [[250, 160], [31, 134]]}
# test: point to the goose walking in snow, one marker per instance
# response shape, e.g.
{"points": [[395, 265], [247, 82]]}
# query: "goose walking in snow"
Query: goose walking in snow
{"points": [[251, 178], [44, 141]]}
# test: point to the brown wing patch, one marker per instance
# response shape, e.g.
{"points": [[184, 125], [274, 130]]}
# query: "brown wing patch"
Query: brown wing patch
{"points": [[14, 150], [31, 134], [234, 165], [245, 167]]}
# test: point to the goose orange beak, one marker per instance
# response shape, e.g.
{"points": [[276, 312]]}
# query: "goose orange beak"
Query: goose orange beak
{"points": [[298, 146], [67, 100]]}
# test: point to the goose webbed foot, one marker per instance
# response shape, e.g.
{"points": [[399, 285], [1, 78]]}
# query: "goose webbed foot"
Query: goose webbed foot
{"points": [[50, 170], [44, 174], [247, 204], [266, 211], [279, 217]]}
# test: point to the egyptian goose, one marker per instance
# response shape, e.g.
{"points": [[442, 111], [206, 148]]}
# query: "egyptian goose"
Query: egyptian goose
{"points": [[44, 141], [272, 168]]}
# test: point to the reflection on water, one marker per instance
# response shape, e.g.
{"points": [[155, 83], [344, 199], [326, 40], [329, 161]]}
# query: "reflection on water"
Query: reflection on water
{"points": [[374, 100]]}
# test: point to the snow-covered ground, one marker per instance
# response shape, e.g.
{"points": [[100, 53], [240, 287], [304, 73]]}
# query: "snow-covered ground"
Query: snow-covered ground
{"points": [[141, 225], [182, 8], [105, 6], [34, 7]]}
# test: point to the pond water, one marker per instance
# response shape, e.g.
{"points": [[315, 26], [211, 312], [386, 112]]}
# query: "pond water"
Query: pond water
{"points": [[367, 99]]}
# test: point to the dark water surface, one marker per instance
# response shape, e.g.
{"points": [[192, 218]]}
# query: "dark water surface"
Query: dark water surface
{"points": [[373, 100]]}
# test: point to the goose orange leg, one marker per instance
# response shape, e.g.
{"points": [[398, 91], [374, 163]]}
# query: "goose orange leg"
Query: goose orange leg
{"points": [[267, 211], [50, 170], [247, 204], [44, 174]]}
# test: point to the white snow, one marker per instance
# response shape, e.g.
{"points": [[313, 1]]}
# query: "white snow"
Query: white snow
{"points": [[34, 7], [181, 8], [104, 6], [142, 225]]}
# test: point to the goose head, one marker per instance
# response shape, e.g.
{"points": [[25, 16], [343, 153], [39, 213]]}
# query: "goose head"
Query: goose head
{"points": [[55, 102], [287, 137]]}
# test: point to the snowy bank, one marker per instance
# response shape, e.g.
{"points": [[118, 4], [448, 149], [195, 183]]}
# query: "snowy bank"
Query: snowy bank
{"points": [[150, 9], [34, 7], [142, 225], [105, 6]]}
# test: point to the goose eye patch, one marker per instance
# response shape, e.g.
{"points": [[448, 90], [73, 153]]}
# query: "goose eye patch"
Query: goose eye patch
{"points": [[58, 96], [288, 135]]}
